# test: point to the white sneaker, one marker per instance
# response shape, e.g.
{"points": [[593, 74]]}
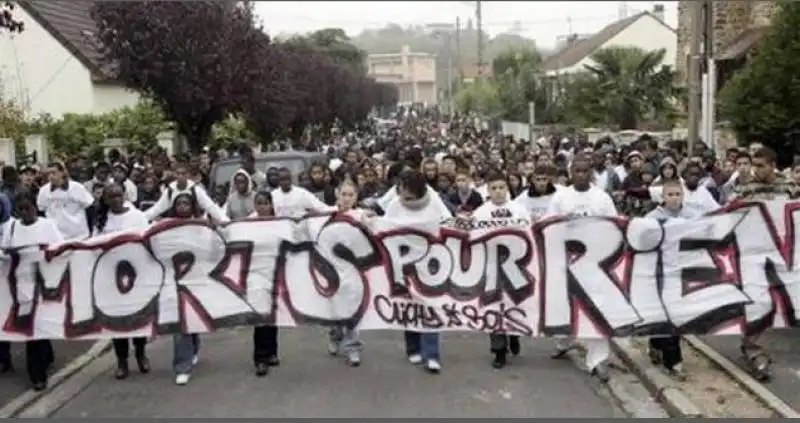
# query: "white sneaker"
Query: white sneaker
{"points": [[195, 360], [333, 348], [354, 358], [415, 359], [182, 379], [433, 366]]}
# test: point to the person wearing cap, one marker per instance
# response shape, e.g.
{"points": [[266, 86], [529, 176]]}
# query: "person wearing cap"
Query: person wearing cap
{"points": [[101, 174]]}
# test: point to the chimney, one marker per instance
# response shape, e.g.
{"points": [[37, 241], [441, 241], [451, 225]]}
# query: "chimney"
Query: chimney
{"points": [[658, 11]]}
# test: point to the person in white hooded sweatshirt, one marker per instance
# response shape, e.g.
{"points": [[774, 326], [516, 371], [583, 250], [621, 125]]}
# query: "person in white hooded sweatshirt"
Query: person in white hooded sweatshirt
{"points": [[500, 206], [65, 201], [182, 185], [582, 199], [536, 199], [416, 204], [116, 214]]}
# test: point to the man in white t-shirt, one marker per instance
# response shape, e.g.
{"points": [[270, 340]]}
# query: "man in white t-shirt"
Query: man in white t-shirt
{"points": [[582, 199]]}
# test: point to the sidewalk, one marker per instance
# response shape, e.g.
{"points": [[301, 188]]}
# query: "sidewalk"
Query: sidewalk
{"points": [[784, 347], [310, 383], [16, 383]]}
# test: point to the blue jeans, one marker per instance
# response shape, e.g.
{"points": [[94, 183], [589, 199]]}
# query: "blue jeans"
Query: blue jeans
{"points": [[185, 349], [347, 339], [424, 344]]}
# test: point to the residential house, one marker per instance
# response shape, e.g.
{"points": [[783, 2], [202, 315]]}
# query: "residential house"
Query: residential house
{"points": [[646, 30], [738, 27], [53, 66], [414, 74]]}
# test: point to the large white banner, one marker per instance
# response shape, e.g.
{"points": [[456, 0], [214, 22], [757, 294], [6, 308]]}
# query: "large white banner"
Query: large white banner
{"points": [[730, 272]]}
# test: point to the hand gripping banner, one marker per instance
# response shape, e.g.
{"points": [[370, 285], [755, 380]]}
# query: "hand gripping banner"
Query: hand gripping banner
{"points": [[731, 272]]}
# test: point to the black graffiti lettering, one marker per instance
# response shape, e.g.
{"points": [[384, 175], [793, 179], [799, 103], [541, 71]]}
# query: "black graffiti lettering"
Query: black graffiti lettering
{"points": [[403, 250], [126, 282], [409, 315], [764, 267], [508, 256], [687, 253], [191, 291], [577, 263], [262, 263], [467, 276], [464, 269], [644, 238], [338, 259]]}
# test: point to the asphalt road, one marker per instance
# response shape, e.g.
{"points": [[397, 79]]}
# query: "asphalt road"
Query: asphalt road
{"points": [[783, 345], [309, 383], [13, 384]]}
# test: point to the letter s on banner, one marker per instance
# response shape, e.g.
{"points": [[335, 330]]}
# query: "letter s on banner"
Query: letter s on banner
{"points": [[325, 280]]}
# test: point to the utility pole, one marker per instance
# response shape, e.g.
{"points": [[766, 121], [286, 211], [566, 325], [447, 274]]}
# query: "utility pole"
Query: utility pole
{"points": [[695, 75], [458, 51], [479, 19], [711, 74]]}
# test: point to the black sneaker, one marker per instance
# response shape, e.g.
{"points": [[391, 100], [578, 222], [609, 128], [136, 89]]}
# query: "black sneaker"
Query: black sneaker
{"points": [[122, 371], [513, 345], [39, 386], [601, 373], [499, 360], [273, 361], [144, 364], [262, 369]]}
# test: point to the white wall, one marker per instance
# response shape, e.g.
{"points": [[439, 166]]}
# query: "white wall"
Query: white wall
{"points": [[38, 73], [646, 33], [111, 97]]}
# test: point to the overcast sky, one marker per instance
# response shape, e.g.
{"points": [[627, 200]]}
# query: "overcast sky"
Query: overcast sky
{"points": [[540, 20]]}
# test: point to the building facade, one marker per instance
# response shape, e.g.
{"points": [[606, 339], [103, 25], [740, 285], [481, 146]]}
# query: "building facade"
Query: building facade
{"points": [[737, 26], [52, 66], [414, 74]]}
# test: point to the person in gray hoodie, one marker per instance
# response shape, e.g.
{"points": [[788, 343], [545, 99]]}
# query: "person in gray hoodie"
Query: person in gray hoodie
{"points": [[666, 349], [240, 202]]}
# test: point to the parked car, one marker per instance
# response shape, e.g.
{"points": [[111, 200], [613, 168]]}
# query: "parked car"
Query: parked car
{"points": [[296, 161]]}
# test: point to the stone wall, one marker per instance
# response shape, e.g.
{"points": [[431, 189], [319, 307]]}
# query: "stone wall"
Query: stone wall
{"points": [[730, 18]]}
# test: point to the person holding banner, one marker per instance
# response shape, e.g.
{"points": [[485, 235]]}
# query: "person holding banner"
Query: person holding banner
{"points": [[27, 229], [265, 337], [185, 346], [666, 350], [115, 214], [582, 199], [500, 206], [416, 203], [183, 185], [536, 199], [344, 339], [765, 184]]}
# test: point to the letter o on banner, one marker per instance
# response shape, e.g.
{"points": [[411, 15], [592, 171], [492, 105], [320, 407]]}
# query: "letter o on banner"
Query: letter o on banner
{"points": [[434, 269], [126, 279]]}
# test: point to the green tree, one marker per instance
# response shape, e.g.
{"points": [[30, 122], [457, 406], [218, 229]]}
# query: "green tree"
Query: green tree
{"points": [[762, 100], [623, 87], [335, 43], [480, 97], [514, 73]]}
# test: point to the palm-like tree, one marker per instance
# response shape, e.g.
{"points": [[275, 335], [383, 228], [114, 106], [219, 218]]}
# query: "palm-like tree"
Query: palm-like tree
{"points": [[628, 84]]}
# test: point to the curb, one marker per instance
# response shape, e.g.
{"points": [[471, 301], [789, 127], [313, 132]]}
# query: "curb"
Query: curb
{"points": [[626, 391], [660, 385], [764, 395], [22, 401]]}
